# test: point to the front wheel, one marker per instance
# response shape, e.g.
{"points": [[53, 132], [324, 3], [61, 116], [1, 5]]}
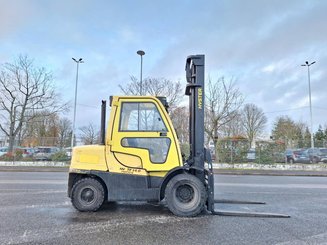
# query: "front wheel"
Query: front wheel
{"points": [[87, 195], [185, 195]]}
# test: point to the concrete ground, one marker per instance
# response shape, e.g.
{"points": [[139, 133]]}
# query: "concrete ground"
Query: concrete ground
{"points": [[35, 210]]}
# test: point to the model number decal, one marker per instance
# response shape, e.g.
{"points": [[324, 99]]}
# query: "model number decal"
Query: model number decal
{"points": [[130, 170]]}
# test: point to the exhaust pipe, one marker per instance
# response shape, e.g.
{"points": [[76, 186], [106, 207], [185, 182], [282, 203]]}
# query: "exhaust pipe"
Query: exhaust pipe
{"points": [[103, 122]]}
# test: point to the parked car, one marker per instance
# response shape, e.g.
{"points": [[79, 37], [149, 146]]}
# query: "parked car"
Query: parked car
{"points": [[323, 156], [3, 151], [16, 149], [303, 157], [296, 156], [317, 155], [44, 152], [28, 152]]}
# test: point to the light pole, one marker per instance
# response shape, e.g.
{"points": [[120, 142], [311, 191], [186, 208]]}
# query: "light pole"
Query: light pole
{"points": [[141, 53], [308, 65], [80, 60]]}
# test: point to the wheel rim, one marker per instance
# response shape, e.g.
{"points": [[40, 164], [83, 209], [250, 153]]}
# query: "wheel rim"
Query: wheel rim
{"points": [[186, 196], [185, 193], [88, 195]]}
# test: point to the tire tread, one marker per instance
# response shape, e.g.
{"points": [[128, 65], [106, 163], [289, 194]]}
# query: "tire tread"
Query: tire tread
{"points": [[99, 188], [170, 198]]}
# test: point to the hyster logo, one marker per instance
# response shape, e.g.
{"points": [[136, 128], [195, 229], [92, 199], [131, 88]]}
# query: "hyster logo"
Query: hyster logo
{"points": [[200, 98]]}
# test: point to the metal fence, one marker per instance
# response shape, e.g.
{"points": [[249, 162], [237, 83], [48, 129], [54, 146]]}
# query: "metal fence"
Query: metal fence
{"points": [[264, 152], [41, 141]]}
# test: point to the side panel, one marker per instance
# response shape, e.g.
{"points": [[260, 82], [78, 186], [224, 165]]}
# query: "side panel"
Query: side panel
{"points": [[133, 161], [126, 187], [90, 157]]}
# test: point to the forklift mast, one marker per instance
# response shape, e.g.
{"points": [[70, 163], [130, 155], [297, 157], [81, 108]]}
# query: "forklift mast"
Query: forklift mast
{"points": [[195, 90]]}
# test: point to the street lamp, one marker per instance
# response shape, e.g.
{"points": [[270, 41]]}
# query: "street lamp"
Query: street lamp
{"points": [[141, 53], [80, 60], [308, 65]]}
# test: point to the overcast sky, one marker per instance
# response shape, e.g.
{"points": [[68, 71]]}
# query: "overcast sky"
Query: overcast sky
{"points": [[261, 44]]}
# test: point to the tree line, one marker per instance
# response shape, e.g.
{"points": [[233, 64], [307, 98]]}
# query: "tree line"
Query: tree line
{"points": [[227, 117], [297, 134], [31, 109]]}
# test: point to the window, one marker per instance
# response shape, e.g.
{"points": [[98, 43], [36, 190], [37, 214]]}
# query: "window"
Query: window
{"points": [[158, 147], [141, 117], [323, 151]]}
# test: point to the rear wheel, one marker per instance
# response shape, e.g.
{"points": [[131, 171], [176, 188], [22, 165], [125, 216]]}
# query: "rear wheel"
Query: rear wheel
{"points": [[87, 195], [291, 161], [185, 195]]}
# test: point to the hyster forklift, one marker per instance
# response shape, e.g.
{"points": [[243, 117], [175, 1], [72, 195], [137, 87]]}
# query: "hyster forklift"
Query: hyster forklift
{"points": [[139, 158]]}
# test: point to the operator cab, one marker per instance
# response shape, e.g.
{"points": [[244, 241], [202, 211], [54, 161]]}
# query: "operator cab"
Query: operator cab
{"points": [[142, 135]]}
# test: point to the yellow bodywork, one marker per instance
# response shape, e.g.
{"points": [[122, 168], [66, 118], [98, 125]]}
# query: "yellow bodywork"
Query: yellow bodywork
{"points": [[89, 157], [118, 156]]}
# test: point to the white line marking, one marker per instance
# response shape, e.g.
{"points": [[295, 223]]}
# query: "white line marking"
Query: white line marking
{"points": [[56, 182], [30, 192]]}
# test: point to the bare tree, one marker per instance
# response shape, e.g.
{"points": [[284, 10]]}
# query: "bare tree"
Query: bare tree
{"points": [[223, 100], [45, 129], [64, 132], [179, 117], [25, 89], [292, 134], [286, 130], [155, 87], [42, 129], [254, 122], [89, 134], [233, 128]]}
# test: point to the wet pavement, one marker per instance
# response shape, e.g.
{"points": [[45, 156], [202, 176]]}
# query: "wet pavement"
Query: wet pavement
{"points": [[34, 209]]}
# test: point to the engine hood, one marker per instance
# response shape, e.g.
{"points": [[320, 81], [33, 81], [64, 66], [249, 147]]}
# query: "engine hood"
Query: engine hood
{"points": [[89, 157]]}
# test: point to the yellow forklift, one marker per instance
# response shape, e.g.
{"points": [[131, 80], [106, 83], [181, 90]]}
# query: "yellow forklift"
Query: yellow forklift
{"points": [[139, 158]]}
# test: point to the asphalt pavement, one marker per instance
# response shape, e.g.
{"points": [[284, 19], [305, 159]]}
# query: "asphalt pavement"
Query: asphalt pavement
{"points": [[35, 210]]}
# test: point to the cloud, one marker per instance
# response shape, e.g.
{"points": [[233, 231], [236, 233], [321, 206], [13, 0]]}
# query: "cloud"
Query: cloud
{"points": [[14, 16], [262, 45], [258, 43]]}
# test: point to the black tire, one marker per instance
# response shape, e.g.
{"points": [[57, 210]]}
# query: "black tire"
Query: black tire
{"points": [[315, 160], [185, 195], [87, 195], [291, 161]]}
